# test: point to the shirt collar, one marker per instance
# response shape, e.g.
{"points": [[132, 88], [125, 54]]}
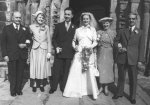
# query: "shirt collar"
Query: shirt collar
{"points": [[15, 26], [132, 28], [67, 23]]}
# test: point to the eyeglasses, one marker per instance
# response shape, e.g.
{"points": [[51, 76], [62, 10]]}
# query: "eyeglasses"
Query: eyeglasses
{"points": [[132, 18]]}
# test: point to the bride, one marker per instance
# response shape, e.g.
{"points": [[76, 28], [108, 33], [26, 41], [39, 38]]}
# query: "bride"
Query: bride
{"points": [[81, 80]]}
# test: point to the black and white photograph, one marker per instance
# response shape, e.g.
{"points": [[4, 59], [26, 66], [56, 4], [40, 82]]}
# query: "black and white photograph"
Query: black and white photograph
{"points": [[74, 52]]}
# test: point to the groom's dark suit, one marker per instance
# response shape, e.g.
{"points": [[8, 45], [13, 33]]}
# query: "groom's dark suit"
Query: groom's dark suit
{"points": [[62, 61], [11, 38], [133, 41]]}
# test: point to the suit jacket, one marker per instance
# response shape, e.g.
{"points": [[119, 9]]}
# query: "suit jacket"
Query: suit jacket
{"points": [[134, 43], [63, 39], [10, 41], [41, 38]]}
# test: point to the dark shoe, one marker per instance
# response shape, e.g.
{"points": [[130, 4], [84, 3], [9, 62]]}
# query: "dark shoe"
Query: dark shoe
{"points": [[133, 101], [62, 90], [19, 93], [42, 89], [51, 91], [116, 97], [13, 94], [34, 89]]}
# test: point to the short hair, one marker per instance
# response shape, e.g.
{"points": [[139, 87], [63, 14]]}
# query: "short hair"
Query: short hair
{"points": [[70, 9], [16, 12], [132, 13]]}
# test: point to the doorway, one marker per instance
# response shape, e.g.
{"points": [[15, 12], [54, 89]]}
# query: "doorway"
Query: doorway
{"points": [[99, 8]]}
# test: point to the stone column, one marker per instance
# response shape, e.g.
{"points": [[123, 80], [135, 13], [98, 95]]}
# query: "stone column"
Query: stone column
{"points": [[113, 13], [65, 4], [34, 8], [6, 9], [134, 9], [146, 27], [21, 8]]}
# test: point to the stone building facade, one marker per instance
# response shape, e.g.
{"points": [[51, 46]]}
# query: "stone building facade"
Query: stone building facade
{"points": [[117, 9]]}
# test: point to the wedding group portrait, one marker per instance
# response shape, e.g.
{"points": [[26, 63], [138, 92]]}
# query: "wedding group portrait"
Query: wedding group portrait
{"points": [[79, 52]]}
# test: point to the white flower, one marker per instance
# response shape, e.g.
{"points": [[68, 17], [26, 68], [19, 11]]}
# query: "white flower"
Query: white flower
{"points": [[136, 31], [27, 41], [119, 45], [24, 28]]}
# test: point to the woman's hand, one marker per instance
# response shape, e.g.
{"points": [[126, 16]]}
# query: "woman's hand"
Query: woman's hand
{"points": [[78, 48], [48, 56]]}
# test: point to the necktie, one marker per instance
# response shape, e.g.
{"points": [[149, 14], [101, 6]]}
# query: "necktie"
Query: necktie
{"points": [[17, 28], [67, 26]]}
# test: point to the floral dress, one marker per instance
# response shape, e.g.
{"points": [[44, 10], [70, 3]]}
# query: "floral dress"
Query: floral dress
{"points": [[105, 59]]}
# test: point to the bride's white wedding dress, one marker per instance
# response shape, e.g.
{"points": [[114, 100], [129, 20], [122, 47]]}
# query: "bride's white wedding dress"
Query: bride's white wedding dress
{"points": [[82, 83]]}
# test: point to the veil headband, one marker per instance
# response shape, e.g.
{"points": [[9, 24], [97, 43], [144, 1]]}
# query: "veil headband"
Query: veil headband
{"points": [[93, 21]]}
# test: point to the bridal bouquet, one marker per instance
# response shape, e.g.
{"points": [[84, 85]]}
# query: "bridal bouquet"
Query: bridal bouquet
{"points": [[86, 52]]}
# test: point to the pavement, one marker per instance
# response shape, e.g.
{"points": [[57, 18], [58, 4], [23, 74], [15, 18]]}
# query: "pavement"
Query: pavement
{"points": [[44, 98]]}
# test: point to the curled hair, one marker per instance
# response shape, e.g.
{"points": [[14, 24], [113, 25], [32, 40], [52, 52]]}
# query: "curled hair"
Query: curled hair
{"points": [[93, 21]]}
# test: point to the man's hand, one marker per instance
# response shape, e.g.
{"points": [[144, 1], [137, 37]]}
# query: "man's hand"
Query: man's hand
{"points": [[140, 64], [22, 45], [58, 50], [6, 58]]}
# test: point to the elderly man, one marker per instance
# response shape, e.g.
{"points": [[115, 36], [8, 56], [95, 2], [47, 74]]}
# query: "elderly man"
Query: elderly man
{"points": [[130, 44], [15, 38]]}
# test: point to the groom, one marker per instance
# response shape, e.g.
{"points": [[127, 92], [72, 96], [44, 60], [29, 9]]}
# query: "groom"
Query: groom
{"points": [[62, 42]]}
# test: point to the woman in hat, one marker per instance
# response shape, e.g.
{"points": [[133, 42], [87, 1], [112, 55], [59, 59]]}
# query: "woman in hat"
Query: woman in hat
{"points": [[40, 52], [105, 59]]}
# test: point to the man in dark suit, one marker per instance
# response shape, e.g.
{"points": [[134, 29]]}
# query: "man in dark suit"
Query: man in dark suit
{"points": [[130, 44], [15, 38], [64, 52]]}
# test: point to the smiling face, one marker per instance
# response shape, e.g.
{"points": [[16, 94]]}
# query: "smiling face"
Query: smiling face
{"points": [[40, 19], [132, 19], [86, 20], [68, 15], [17, 18], [106, 25]]}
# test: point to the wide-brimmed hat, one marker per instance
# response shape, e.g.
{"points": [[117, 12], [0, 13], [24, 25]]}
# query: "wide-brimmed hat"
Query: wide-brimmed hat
{"points": [[109, 19], [37, 13]]}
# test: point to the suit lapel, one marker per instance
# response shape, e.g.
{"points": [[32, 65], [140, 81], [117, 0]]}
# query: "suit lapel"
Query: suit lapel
{"points": [[63, 26], [13, 31], [127, 33], [134, 34]]}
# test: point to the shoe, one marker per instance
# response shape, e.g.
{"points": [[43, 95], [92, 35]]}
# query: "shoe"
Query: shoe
{"points": [[100, 91], [19, 93], [34, 89], [106, 92], [51, 91], [42, 89], [62, 90], [13, 94], [133, 101], [116, 97]]}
